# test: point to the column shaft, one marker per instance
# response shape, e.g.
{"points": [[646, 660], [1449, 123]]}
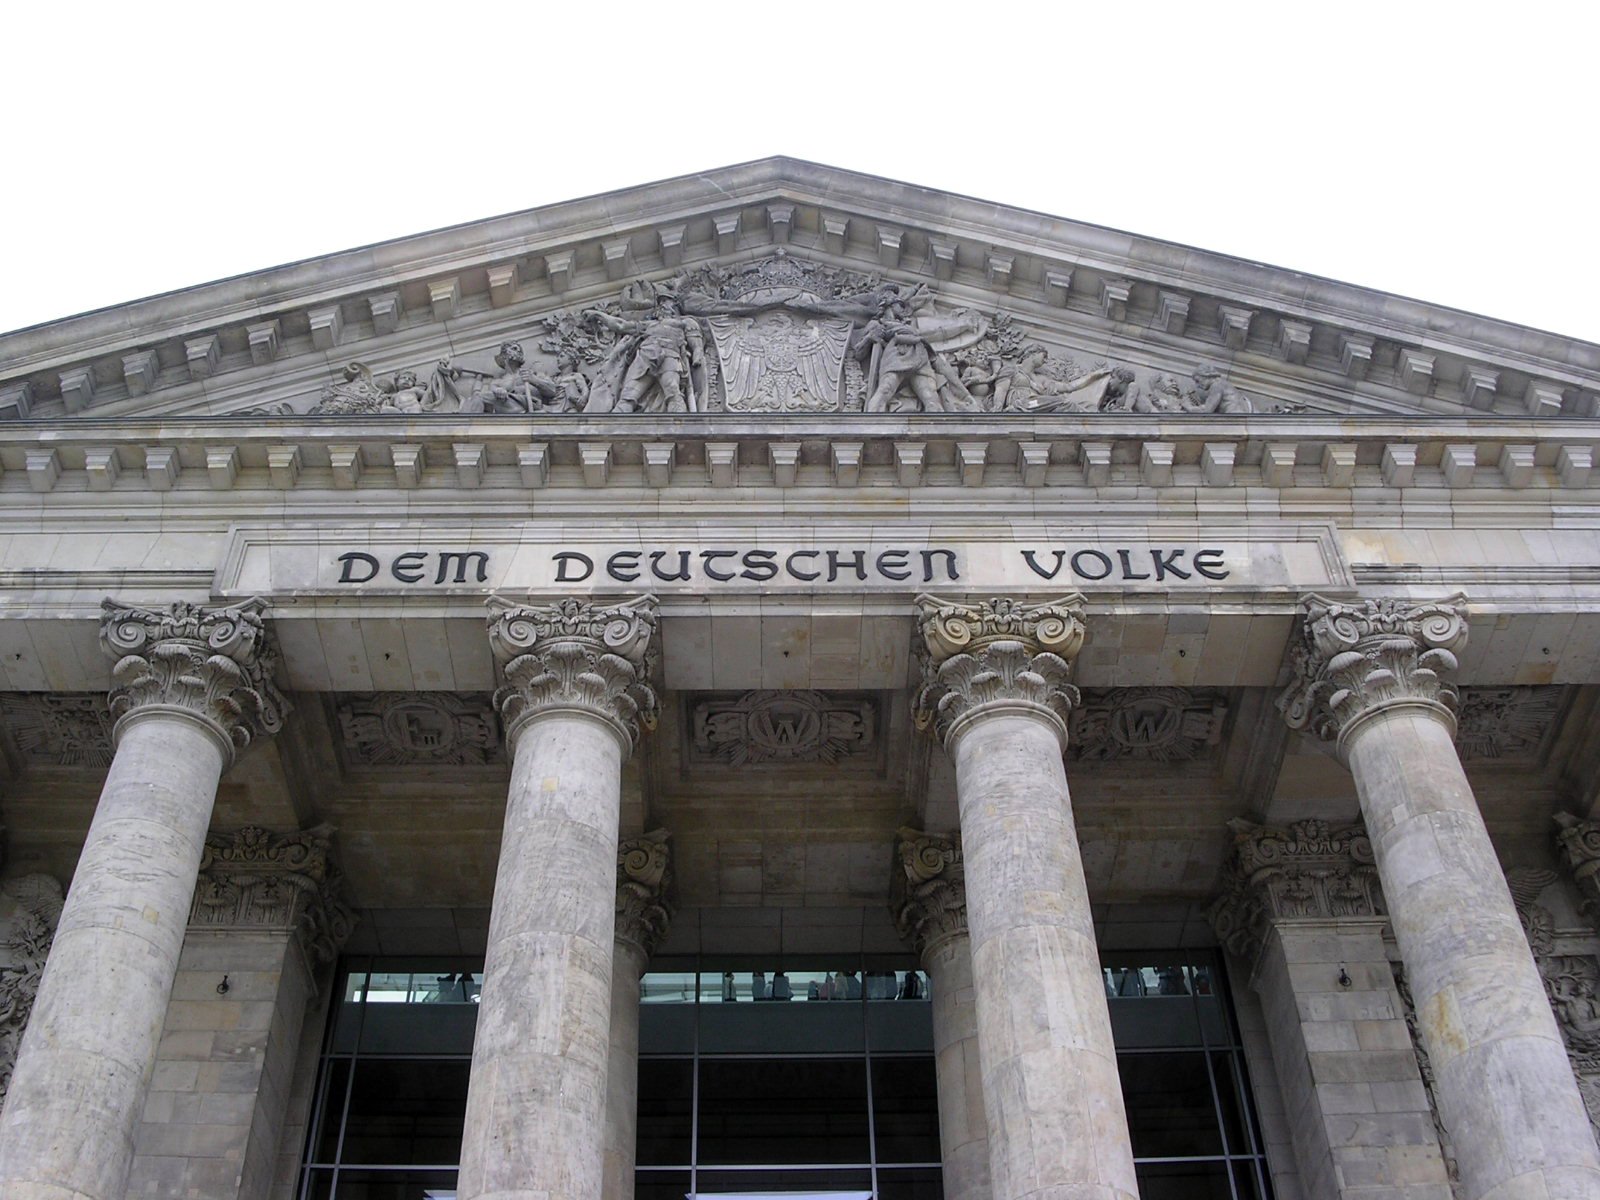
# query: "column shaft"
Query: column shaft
{"points": [[1057, 1127], [67, 1129], [536, 1102], [1505, 1086], [622, 1088], [963, 1124]]}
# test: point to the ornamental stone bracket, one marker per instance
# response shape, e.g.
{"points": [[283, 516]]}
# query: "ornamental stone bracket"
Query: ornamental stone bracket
{"points": [[1350, 661], [212, 664], [258, 880], [575, 656], [1579, 841], [30, 907], [644, 890], [1309, 870], [928, 890], [992, 655]]}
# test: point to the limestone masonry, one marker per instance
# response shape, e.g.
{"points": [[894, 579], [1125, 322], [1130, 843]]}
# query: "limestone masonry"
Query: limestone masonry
{"points": [[442, 682]]}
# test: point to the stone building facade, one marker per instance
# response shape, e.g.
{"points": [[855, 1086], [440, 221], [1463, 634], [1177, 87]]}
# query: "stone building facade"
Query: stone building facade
{"points": [[780, 681]]}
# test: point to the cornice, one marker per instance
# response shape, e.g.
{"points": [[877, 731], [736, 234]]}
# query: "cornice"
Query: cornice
{"points": [[1321, 462], [1289, 331]]}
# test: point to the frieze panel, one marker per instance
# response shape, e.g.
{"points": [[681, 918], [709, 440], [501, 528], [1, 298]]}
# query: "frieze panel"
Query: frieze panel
{"points": [[779, 335], [1571, 981], [59, 729], [30, 907], [1148, 724], [409, 729], [782, 727], [1506, 724]]}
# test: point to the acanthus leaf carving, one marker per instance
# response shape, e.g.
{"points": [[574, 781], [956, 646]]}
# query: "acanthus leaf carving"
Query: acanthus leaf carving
{"points": [[1308, 869], [1353, 659], [995, 651], [644, 890], [216, 663], [575, 655], [257, 879], [928, 892]]}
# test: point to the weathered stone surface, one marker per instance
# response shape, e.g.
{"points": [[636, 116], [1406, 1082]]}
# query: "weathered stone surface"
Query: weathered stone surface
{"points": [[1375, 676], [998, 697]]}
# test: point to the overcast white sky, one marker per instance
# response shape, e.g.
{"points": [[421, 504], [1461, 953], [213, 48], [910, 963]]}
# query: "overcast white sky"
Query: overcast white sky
{"points": [[1446, 152]]}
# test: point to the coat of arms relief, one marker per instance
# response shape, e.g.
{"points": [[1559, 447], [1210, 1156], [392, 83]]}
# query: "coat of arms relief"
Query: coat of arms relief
{"points": [[777, 335]]}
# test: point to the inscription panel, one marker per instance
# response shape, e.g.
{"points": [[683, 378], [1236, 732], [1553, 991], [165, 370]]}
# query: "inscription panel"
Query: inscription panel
{"points": [[409, 561]]}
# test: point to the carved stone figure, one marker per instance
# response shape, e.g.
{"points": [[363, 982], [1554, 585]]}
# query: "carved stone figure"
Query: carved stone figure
{"points": [[1210, 392], [354, 393], [510, 390], [1036, 383], [904, 356], [658, 364], [30, 906]]}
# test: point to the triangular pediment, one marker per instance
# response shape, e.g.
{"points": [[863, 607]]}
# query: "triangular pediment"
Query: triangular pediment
{"points": [[784, 287]]}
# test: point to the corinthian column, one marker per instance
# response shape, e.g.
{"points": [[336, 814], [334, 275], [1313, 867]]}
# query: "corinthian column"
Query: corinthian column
{"points": [[995, 691], [1374, 676], [929, 901], [573, 701], [644, 880], [191, 687]]}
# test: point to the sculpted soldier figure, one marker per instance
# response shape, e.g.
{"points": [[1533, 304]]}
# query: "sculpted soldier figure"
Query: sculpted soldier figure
{"points": [[665, 354], [899, 356], [511, 391]]}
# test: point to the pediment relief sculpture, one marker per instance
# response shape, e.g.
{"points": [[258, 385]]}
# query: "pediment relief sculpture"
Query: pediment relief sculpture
{"points": [[778, 335]]}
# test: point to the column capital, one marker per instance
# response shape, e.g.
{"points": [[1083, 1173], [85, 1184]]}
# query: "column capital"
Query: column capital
{"points": [[993, 655], [256, 879], [1580, 851], [1353, 660], [928, 894], [644, 886], [211, 664], [575, 656], [1307, 871]]}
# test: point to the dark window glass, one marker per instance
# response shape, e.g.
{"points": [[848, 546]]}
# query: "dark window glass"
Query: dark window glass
{"points": [[1249, 1179], [710, 1183], [660, 1185], [406, 1111], [335, 1082], [666, 1111], [905, 1110], [917, 1183], [392, 1185], [1170, 1110], [793, 1110], [1174, 1181]]}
